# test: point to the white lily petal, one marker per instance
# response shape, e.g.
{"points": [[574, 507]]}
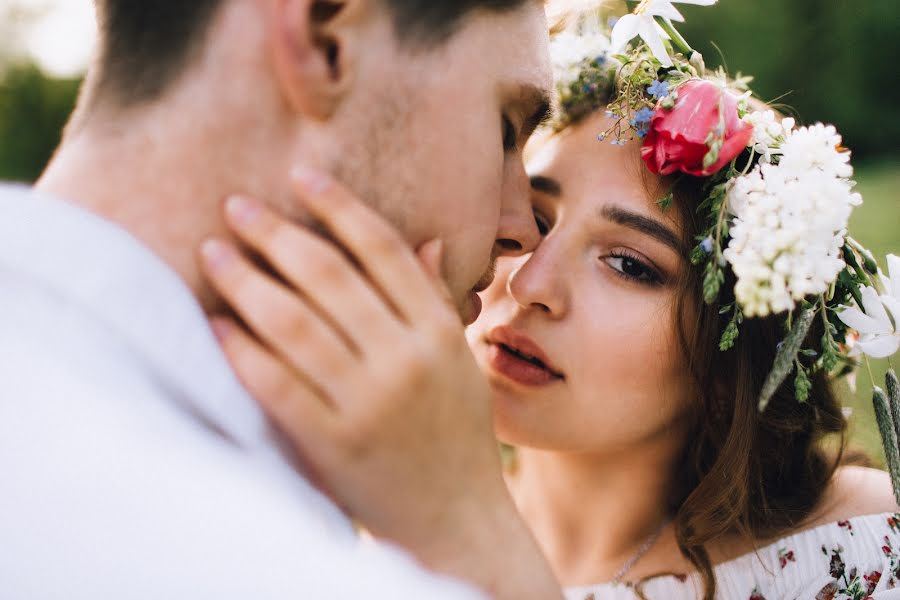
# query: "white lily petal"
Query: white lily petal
{"points": [[697, 2], [893, 263], [662, 32], [625, 30], [875, 309], [653, 40], [880, 346], [664, 8], [861, 322], [893, 306]]}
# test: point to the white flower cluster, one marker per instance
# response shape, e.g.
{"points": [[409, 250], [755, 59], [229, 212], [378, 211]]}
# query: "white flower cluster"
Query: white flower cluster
{"points": [[790, 220], [769, 133], [569, 49]]}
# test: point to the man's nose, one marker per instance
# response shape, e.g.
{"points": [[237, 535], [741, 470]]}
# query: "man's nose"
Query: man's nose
{"points": [[518, 232]]}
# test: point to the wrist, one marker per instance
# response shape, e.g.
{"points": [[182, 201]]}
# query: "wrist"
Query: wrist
{"points": [[486, 542]]}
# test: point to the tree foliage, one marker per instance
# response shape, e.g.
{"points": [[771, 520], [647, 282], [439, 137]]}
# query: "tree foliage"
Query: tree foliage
{"points": [[33, 110]]}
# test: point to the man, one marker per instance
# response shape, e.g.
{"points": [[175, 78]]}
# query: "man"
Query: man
{"points": [[135, 466]]}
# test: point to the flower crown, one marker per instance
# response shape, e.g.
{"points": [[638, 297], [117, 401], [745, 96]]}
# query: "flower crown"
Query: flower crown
{"points": [[777, 197]]}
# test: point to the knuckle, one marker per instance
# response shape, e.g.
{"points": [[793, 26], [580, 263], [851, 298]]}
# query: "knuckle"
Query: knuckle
{"points": [[238, 283], [276, 238], [384, 245], [324, 266], [350, 437], [277, 391]]}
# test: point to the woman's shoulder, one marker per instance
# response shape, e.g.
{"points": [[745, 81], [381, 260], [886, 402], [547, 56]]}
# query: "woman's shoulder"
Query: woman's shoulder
{"points": [[850, 544], [853, 553], [846, 559], [854, 492]]}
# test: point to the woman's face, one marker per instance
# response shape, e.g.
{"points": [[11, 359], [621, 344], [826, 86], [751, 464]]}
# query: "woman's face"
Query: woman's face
{"points": [[579, 338]]}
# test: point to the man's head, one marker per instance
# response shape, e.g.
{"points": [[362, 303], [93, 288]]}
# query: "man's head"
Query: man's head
{"points": [[421, 106]]}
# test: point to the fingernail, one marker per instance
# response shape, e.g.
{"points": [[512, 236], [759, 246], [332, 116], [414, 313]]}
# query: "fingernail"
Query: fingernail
{"points": [[221, 328], [312, 180], [242, 211], [216, 254]]}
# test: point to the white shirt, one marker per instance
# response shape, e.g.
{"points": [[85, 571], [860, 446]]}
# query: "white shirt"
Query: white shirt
{"points": [[133, 465]]}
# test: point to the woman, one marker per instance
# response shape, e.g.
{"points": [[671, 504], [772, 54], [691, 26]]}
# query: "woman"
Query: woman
{"points": [[643, 465], [640, 451]]}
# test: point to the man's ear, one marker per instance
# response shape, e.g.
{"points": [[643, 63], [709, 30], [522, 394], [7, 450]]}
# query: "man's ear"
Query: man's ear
{"points": [[313, 46]]}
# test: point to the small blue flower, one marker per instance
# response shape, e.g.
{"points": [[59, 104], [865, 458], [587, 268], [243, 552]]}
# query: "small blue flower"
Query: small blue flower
{"points": [[618, 142], [658, 89], [642, 117], [610, 114], [707, 245], [642, 130], [600, 60], [601, 137]]}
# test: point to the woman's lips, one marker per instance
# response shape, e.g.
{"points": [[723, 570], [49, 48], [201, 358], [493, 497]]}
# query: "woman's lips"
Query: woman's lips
{"points": [[514, 366]]}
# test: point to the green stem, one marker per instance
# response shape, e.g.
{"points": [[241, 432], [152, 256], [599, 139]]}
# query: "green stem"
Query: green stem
{"points": [[869, 369], [679, 42]]}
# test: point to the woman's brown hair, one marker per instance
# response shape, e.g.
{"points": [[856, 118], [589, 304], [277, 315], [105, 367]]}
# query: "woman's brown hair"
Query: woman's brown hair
{"points": [[745, 472]]}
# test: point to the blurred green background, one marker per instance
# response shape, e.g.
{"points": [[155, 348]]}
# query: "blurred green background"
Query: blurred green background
{"points": [[826, 60]]}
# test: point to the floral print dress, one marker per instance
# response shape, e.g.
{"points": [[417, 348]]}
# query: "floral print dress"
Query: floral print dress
{"points": [[857, 559]]}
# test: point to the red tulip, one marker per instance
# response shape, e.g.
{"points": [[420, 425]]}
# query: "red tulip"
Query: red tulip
{"points": [[678, 139]]}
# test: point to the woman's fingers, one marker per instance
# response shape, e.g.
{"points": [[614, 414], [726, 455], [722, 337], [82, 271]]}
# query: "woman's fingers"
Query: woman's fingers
{"points": [[292, 406], [327, 279], [374, 244], [280, 318]]}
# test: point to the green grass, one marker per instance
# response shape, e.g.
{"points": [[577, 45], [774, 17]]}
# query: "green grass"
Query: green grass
{"points": [[876, 224]]}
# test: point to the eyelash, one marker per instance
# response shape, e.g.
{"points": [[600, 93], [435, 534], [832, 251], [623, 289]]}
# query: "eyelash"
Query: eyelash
{"points": [[542, 225], [652, 276], [510, 136]]}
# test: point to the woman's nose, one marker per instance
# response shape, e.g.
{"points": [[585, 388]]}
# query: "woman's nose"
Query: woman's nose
{"points": [[538, 281]]}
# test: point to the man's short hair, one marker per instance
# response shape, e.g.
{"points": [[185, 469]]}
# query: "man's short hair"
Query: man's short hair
{"points": [[145, 45]]}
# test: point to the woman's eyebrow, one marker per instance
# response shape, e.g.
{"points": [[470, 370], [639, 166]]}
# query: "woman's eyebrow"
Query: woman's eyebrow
{"points": [[547, 185], [643, 224]]}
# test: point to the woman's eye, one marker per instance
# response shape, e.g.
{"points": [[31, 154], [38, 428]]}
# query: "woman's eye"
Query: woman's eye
{"points": [[632, 269], [510, 137]]}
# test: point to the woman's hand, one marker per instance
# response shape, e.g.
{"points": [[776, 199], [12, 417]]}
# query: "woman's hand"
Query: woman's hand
{"points": [[355, 352]]}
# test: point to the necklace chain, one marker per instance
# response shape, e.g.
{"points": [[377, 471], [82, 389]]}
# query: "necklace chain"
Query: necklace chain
{"points": [[645, 547]]}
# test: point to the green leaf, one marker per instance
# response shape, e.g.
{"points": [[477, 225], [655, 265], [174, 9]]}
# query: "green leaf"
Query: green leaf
{"points": [[830, 349], [786, 356], [802, 384], [666, 201], [698, 255], [888, 432], [712, 281], [730, 335]]}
